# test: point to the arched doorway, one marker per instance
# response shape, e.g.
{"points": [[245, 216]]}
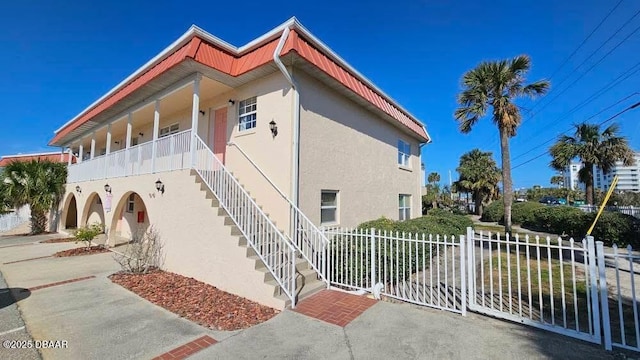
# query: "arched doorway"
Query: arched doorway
{"points": [[93, 211], [130, 219], [70, 212]]}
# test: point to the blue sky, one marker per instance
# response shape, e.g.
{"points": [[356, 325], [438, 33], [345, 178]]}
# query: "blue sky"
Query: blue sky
{"points": [[60, 56]]}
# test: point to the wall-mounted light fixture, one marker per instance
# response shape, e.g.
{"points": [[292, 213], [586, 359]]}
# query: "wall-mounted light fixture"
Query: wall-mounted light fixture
{"points": [[107, 188], [117, 142], [232, 102], [273, 127], [78, 189], [160, 186], [141, 134], [202, 112]]}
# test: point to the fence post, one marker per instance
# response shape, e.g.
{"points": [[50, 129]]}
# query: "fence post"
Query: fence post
{"points": [[470, 266], [463, 281], [372, 244], [595, 303], [604, 296]]}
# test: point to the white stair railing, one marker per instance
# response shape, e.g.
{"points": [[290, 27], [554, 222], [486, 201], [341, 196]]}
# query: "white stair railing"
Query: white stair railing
{"points": [[270, 244], [310, 241]]}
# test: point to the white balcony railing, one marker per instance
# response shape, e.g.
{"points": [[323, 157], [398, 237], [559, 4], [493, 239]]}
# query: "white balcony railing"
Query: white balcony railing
{"points": [[172, 153]]}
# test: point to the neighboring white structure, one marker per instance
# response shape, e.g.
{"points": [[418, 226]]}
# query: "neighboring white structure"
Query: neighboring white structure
{"points": [[628, 176], [570, 174]]}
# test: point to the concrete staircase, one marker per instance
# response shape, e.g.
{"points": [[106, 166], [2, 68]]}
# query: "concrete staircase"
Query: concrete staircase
{"points": [[307, 282]]}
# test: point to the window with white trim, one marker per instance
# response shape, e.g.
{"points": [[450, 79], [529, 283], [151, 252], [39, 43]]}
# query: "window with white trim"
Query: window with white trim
{"points": [[404, 153], [328, 207], [169, 130], [404, 207], [247, 114], [131, 203]]}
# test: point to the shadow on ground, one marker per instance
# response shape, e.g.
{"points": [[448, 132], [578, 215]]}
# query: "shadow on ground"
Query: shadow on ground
{"points": [[10, 296]]}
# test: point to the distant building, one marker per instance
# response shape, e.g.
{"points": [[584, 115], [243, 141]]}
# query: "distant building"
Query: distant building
{"points": [[570, 174], [628, 177], [51, 156]]}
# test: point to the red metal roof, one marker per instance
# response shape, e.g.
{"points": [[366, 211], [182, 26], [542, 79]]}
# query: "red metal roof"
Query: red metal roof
{"points": [[5, 160], [214, 57]]}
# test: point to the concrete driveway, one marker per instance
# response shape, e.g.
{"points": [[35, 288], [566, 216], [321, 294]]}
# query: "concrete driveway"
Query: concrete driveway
{"points": [[101, 320]]}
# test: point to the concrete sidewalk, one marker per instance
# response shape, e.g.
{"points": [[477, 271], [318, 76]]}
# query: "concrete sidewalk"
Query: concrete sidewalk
{"points": [[101, 320]]}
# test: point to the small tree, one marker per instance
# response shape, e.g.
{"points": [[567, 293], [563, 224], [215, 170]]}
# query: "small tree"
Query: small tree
{"points": [[88, 233]]}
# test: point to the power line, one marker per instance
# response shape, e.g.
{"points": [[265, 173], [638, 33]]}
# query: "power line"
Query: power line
{"points": [[589, 118], [618, 80], [587, 71], [566, 60], [601, 123]]}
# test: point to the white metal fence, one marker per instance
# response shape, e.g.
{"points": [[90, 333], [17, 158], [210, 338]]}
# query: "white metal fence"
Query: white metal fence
{"points": [[627, 210], [425, 270], [14, 219], [171, 153], [543, 282]]}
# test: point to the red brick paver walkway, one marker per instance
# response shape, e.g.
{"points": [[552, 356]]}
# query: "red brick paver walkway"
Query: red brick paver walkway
{"points": [[188, 349], [335, 307]]}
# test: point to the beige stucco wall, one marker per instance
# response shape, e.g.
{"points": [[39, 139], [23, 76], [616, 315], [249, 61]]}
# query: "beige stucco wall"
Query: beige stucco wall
{"points": [[196, 241], [272, 154], [344, 147]]}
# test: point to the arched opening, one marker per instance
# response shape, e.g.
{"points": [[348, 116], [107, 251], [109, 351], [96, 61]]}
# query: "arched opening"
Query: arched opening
{"points": [[93, 211], [130, 218], [70, 212]]}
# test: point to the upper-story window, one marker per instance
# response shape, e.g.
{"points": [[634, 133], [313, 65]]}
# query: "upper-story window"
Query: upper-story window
{"points": [[404, 153], [169, 130], [247, 111]]}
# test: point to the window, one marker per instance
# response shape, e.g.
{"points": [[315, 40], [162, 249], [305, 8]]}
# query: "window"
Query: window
{"points": [[247, 111], [404, 151], [131, 203], [169, 130], [404, 207], [329, 207]]}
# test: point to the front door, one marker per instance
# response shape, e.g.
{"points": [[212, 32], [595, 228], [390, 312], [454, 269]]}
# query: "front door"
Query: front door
{"points": [[220, 133]]}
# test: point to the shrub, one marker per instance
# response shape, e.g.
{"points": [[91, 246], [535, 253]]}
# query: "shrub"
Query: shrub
{"points": [[88, 233], [379, 224], [143, 253], [494, 212], [613, 228], [522, 212], [561, 220]]}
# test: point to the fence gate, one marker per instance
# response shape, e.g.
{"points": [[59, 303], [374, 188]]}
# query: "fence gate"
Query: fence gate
{"points": [[542, 282], [422, 269]]}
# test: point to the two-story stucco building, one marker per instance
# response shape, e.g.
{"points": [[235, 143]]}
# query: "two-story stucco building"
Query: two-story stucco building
{"points": [[238, 155]]}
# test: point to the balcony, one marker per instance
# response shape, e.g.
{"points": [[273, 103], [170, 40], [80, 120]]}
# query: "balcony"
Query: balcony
{"points": [[171, 153]]}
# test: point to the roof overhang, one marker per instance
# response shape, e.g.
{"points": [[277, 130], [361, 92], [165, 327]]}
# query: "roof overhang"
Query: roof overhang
{"points": [[199, 51]]}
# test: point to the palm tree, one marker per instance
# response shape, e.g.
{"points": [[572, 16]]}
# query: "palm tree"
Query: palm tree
{"points": [[496, 85], [557, 180], [433, 189], [594, 148], [479, 175], [39, 184]]}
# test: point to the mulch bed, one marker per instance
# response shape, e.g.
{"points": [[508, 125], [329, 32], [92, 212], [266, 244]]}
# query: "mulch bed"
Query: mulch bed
{"points": [[61, 240], [195, 300], [97, 249]]}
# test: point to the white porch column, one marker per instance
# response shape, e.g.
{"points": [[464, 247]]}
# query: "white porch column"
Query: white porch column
{"points": [[62, 154], [156, 129], [195, 113], [127, 144], [70, 155], [93, 146], [108, 147], [80, 153], [129, 125], [107, 151]]}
